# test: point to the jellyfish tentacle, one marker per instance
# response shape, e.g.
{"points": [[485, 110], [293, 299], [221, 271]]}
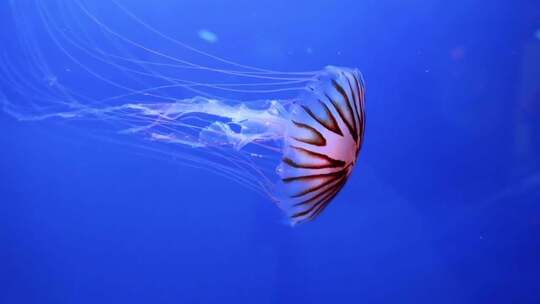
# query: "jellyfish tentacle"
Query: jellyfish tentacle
{"points": [[254, 70], [172, 58], [313, 139]]}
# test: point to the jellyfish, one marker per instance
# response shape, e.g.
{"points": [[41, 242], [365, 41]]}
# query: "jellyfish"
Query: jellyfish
{"points": [[297, 149]]}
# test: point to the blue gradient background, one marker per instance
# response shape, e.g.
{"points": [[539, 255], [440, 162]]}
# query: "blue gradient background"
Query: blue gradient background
{"points": [[443, 206]]}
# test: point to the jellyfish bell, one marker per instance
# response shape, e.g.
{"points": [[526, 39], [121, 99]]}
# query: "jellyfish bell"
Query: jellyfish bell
{"points": [[322, 142], [298, 151]]}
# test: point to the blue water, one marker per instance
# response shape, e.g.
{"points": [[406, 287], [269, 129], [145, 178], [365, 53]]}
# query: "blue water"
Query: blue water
{"points": [[443, 206]]}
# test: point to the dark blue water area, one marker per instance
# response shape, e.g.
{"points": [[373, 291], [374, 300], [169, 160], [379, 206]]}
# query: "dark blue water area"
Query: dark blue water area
{"points": [[443, 206]]}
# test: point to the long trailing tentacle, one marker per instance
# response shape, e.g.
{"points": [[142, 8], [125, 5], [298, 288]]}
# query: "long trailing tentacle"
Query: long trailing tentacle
{"points": [[315, 138]]}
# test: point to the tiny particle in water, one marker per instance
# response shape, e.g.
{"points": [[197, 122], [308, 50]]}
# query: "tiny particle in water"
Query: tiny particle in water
{"points": [[309, 50], [458, 53], [208, 36], [537, 34], [51, 80]]}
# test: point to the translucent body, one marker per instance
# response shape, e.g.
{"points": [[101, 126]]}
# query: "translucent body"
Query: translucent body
{"points": [[298, 151], [323, 139]]}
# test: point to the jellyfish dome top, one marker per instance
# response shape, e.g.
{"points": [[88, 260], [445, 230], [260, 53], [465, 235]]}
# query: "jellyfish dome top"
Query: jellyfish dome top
{"points": [[322, 141], [298, 151]]}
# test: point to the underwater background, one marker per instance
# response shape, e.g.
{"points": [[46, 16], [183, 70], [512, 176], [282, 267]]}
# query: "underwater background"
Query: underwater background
{"points": [[443, 206]]}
